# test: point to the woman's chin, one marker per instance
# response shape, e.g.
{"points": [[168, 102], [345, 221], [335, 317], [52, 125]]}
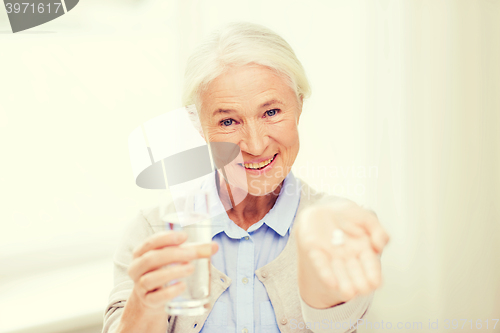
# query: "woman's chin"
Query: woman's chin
{"points": [[256, 186], [259, 188]]}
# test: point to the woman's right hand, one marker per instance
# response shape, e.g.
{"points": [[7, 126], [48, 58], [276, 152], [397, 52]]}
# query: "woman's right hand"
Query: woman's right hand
{"points": [[149, 273]]}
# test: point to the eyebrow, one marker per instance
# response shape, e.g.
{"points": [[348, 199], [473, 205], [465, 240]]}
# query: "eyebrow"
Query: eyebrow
{"points": [[263, 105]]}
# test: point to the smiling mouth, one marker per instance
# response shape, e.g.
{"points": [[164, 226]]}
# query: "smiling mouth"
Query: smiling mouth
{"points": [[259, 166]]}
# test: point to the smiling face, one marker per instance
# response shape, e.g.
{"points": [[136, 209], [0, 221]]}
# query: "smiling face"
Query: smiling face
{"points": [[256, 109]]}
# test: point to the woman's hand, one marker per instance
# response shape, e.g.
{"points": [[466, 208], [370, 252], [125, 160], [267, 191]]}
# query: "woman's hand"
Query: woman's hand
{"points": [[149, 273], [332, 274]]}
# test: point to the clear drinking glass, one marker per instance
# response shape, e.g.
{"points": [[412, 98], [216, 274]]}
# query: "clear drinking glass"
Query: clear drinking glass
{"points": [[189, 212]]}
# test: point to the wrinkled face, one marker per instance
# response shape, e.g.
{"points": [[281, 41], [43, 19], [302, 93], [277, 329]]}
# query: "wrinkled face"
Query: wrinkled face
{"points": [[256, 109]]}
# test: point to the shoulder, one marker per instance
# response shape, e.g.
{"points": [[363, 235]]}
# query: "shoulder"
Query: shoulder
{"points": [[136, 230], [309, 195], [151, 216]]}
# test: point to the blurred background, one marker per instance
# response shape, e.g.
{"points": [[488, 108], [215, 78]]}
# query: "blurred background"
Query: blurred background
{"points": [[404, 118]]}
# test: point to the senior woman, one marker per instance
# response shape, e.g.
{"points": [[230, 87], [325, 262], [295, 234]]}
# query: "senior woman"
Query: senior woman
{"points": [[275, 266]]}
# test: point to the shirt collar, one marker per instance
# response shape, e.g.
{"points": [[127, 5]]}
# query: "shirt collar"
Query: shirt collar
{"points": [[279, 218]]}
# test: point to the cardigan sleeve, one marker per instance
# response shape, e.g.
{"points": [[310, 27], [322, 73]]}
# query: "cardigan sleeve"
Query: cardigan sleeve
{"points": [[342, 318], [136, 232]]}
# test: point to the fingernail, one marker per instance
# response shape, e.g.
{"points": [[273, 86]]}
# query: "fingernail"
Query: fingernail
{"points": [[179, 236], [204, 250]]}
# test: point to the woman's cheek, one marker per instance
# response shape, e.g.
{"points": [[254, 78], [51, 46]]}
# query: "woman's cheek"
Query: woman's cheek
{"points": [[286, 134]]}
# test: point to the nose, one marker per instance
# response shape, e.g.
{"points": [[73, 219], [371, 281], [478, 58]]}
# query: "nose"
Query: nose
{"points": [[255, 139]]}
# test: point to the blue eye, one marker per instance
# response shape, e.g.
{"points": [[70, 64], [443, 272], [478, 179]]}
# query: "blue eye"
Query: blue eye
{"points": [[272, 112], [227, 122]]}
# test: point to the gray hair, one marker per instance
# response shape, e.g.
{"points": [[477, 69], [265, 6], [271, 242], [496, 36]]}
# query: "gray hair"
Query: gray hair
{"points": [[237, 44]]}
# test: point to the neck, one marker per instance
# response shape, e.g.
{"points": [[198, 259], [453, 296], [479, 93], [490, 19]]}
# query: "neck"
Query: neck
{"points": [[251, 209]]}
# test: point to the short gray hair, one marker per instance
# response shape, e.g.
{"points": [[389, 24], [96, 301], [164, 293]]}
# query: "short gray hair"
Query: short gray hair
{"points": [[237, 44]]}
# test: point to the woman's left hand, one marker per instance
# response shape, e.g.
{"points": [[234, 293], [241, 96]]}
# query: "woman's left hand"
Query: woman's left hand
{"points": [[331, 274]]}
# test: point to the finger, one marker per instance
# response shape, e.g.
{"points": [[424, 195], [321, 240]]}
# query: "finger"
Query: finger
{"points": [[159, 240], [379, 239], [202, 250], [163, 295], [345, 285], [322, 264], [157, 279], [372, 267], [357, 275], [378, 236], [155, 259]]}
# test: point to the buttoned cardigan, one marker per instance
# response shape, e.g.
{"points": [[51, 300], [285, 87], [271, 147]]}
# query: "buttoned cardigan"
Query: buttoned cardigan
{"points": [[278, 276]]}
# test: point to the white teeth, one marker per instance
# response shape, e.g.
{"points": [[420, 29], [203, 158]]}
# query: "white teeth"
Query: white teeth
{"points": [[258, 165]]}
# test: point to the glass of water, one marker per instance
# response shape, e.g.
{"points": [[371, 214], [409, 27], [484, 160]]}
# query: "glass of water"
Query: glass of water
{"points": [[189, 212]]}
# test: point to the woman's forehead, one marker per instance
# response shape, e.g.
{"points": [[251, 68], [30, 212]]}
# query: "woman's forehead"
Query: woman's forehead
{"points": [[252, 85], [243, 77]]}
